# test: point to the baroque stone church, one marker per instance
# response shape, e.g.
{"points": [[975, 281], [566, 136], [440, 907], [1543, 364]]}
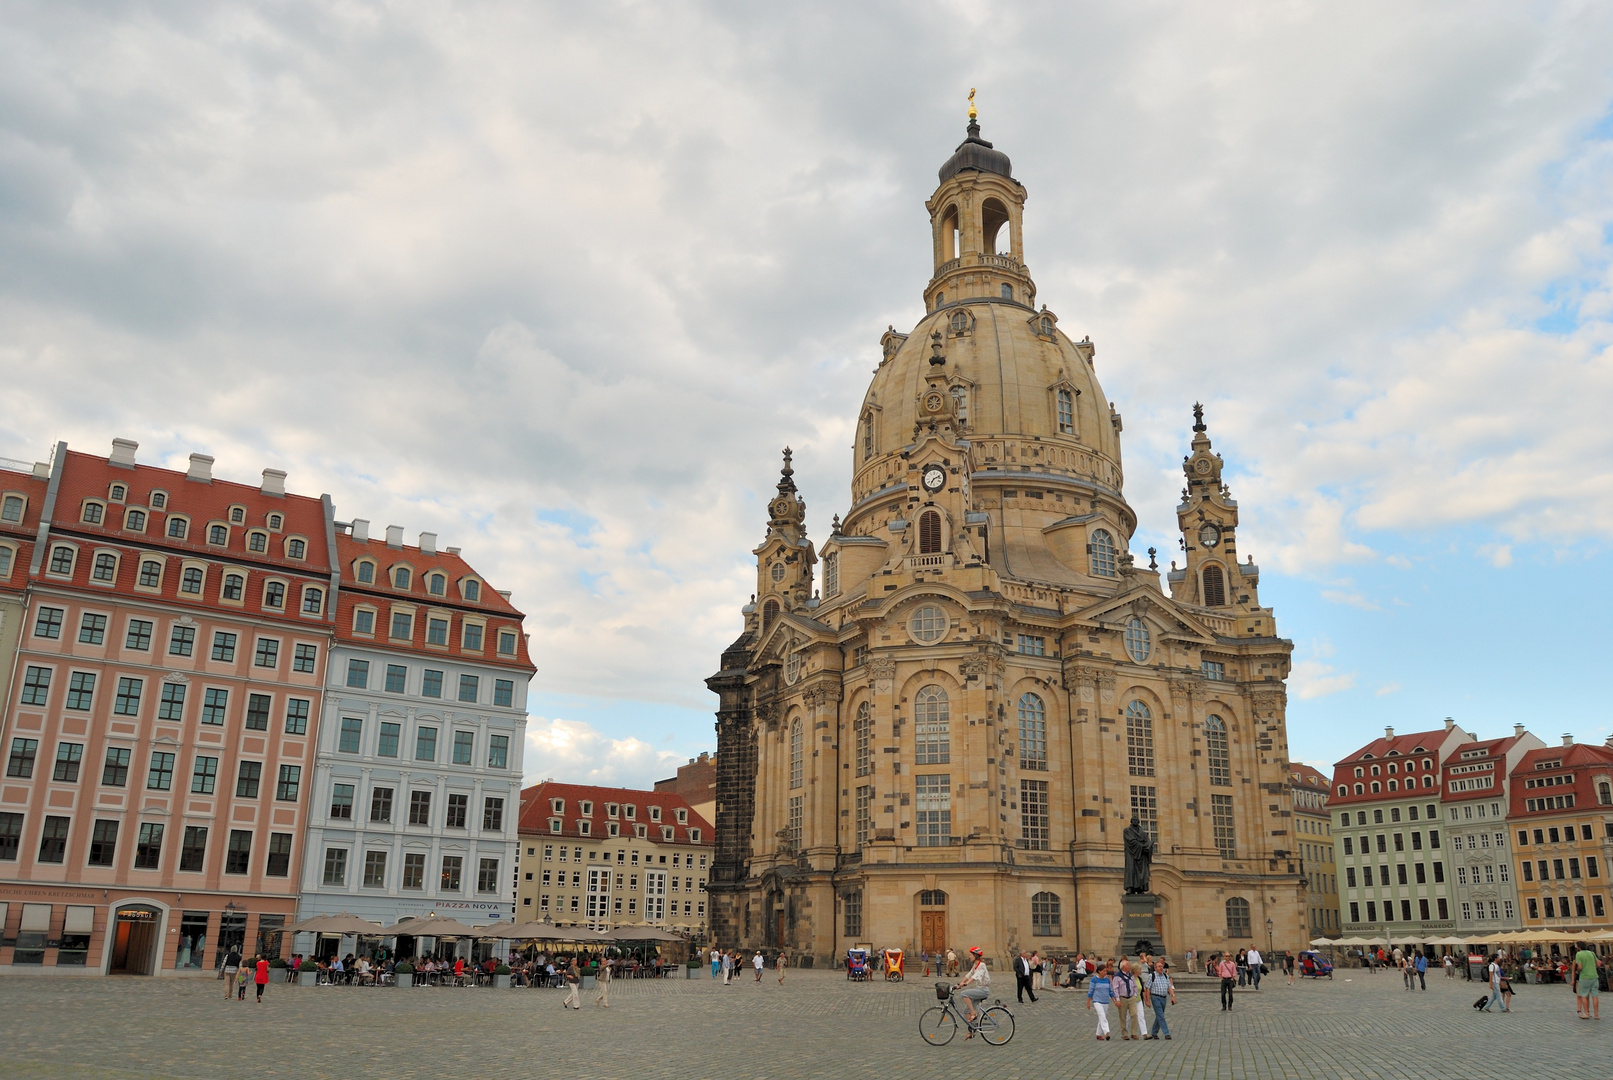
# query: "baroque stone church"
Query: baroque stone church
{"points": [[933, 731]]}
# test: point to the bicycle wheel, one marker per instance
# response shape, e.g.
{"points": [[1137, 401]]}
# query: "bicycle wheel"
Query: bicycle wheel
{"points": [[996, 1025], [938, 1025]]}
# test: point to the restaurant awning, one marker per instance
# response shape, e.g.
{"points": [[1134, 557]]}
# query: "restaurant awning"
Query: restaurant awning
{"points": [[634, 934], [543, 931]]}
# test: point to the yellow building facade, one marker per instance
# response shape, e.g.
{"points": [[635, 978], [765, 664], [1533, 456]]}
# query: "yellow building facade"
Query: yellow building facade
{"points": [[933, 731], [1313, 840]]}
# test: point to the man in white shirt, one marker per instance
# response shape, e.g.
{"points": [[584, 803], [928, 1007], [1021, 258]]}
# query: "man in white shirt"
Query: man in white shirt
{"points": [[1254, 967], [758, 963]]}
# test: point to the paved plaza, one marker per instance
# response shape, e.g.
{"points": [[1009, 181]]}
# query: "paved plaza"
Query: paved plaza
{"points": [[1359, 1026]]}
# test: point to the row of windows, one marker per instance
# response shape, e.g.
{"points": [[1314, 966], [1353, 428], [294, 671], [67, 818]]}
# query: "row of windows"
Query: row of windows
{"points": [[138, 635], [401, 576], [1441, 905], [389, 734], [628, 810], [1557, 908], [653, 910], [1419, 872], [382, 797], [21, 760], [148, 847], [401, 627], [585, 827], [177, 527], [1400, 842], [1377, 786], [157, 499], [449, 879], [603, 881], [1394, 815], [1555, 870], [1551, 835], [275, 593], [621, 856], [214, 701], [396, 678]]}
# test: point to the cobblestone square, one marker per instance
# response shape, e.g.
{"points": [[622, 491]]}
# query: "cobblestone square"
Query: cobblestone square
{"points": [[1359, 1027]]}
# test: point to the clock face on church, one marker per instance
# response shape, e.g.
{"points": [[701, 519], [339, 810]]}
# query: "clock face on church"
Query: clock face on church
{"points": [[934, 478], [1210, 534]]}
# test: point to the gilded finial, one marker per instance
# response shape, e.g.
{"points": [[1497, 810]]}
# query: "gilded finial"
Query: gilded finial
{"points": [[972, 113]]}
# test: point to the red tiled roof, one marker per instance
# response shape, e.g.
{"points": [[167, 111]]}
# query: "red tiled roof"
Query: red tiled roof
{"points": [[1399, 748], [499, 612], [1497, 753], [1587, 761], [536, 812], [1307, 775]]}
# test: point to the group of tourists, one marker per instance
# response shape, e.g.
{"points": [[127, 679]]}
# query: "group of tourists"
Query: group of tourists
{"points": [[237, 973], [1131, 989], [729, 963]]}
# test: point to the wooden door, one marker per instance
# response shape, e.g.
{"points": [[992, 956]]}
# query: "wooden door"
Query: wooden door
{"points": [[933, 932]]}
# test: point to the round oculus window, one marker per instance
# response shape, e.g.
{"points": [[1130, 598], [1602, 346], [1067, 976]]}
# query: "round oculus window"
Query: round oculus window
{"points": [[1210, 534], [778, 571], [1138, 645], [929, 623], [792, 666]]}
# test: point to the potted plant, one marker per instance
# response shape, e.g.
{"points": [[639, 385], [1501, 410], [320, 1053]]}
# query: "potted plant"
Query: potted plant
{"points": [[691, 970], [403, 974], [501, 977], [308, 973]]}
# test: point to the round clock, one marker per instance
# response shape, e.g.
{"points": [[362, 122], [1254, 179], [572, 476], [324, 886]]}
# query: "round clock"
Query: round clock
{"points": [[1201, 467], [934, 402], [934, 478], [1210, 535]]}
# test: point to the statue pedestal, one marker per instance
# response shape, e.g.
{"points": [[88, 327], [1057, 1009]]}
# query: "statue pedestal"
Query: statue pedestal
{"points": [[1138, 930]]}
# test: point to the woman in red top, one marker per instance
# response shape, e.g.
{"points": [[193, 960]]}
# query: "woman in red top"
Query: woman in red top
{"points": [[262, 977]]}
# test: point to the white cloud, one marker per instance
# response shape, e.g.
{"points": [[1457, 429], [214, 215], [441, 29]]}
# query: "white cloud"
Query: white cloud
{"points": [[1351, 598], [574, 753], [1312, 679], [1497, 555], [1386, 689]]}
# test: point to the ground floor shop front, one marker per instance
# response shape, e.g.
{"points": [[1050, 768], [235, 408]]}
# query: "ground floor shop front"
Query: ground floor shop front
{"points": [[62, 930]]}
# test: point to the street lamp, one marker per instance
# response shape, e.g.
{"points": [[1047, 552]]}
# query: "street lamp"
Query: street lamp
{"points": [[1268, 937]]}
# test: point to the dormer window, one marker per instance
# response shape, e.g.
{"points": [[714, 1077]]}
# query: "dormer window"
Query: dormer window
{"points": [[11, 508], [218, 535], [557, 806], [694, 834], [276, 522], [473, 590], [655, 813], [401, 577], [105, 568], [177, 528], [233, 584], [237, 515], [159, 500], [191, 580], [437, 585], [296, 549], [257, 541], [117, 493], [683, 817], [364, 572], [611, 809], [587, 808], [364, 621], [92, 513], [632, 811], [506, 643], [313, 601], [584, 828], [1066, 411], [274, 595], [554, 825], [134, 520]]}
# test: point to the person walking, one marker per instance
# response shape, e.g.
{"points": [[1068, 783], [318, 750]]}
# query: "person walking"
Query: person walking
{"points": [[1192, 958], [1159, 988], [952, 963], [1450, 966], [1022, 976], [261, 975], [1288, 965], [1243, 967], [1036, 969], [1228, 971], [782, 963], [1495, 987], [1255, 962], [573, 985], [1421, 964], [716, 961], [1587, 1000], [1128, 992], [727, 961], [1098, 997], [758, 963], [232, 971], [602, 999]]}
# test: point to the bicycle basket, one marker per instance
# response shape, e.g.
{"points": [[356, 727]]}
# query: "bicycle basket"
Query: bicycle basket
{"points": [[943, 991]]}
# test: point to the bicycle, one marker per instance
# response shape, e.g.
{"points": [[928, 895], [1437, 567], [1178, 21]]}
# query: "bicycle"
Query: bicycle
{"points": [[939, 1023]]}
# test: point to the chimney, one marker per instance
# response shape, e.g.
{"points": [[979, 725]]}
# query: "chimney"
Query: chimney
{"points": [[1449, 723], [1388, 732], [428, 543], [394, 536], [504, 593], [274, 482], [361, 530], [1568, 740], [1517, 731], [123, 452], [41, 470], [201, 468]]}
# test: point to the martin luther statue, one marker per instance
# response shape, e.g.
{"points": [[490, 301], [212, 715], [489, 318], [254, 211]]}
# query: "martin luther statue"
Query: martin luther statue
{"points": [[1139, 857]]}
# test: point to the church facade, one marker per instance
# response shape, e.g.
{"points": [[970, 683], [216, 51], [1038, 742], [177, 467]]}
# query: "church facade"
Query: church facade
{"points": [[934, 730]]}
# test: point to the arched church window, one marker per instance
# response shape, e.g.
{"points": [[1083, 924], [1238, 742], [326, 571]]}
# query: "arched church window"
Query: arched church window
{"points": [[769, 613], [1137, 638], [1215, 589], [796, 750], [1237, 917], [1047, 326], [862, 729], [929, 533], [1066, 402], [1032, 732], [831, 573], [995, 235], [1008, 291], [868, 436], [1102, 553], [1045, 915], [1215, 740], [960, 396], [1139, 739], [931, 727]]}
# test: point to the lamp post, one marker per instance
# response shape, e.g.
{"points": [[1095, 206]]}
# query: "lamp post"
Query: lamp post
{"points": [[1268, 937]]}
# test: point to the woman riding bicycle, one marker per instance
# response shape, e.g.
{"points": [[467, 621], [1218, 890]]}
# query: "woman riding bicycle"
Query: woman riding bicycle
{"points": [[975, 985]]}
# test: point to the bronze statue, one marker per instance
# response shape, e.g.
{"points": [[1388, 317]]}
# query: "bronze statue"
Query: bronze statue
{"points": [[1139, 857]]}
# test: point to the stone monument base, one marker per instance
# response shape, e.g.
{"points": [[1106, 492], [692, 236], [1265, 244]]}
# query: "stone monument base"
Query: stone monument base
{"points": [[1138, 930]]}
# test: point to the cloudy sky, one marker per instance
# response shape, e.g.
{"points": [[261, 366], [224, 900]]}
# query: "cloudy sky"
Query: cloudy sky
{"points": [[558, 281]]}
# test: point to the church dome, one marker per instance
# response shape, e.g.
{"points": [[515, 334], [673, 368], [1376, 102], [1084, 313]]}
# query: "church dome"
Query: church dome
{"points": [[977, 154]]}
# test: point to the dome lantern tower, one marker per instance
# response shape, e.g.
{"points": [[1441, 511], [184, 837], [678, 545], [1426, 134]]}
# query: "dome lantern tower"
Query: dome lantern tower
{"points": [[975, 218]]}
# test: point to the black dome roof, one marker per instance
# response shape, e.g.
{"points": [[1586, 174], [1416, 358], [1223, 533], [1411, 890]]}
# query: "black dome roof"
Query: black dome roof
{"points": [[977, 154]]}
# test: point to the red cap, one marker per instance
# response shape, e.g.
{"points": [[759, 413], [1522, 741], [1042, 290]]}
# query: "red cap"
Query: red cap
{"points": [[976, 951]]}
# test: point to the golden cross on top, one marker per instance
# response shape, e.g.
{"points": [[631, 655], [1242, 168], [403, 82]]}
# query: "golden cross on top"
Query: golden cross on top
{"points": [[971, 103]]}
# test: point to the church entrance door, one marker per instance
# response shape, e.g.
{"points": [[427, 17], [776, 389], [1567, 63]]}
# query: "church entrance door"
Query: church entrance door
{"points": [[932, 932]]}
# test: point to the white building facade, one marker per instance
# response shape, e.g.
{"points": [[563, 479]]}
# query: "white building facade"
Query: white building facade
{"points": [[417, 779]]}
